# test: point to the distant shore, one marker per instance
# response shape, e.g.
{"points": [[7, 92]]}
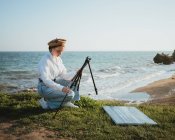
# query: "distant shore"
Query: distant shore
{"points": [[162, 91]]}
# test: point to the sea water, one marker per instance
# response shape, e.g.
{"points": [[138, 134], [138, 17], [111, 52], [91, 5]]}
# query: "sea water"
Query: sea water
{"points": [[116, 74]]}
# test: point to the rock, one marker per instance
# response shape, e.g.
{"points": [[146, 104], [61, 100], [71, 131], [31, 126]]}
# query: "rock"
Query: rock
{"points": [[28, 90], [173, 55], [173, 77], [163, 58], [167, 60], [158, 58]]}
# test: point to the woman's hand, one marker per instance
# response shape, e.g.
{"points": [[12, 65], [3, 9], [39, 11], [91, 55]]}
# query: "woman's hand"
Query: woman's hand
{"points": [[79, 71], [66, 90]]}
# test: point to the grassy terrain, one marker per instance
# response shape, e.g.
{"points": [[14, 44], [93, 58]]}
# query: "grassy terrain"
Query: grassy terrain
{"points": [[87, 122]]}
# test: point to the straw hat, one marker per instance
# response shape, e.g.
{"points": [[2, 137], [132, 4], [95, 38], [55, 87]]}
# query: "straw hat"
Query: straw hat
{"points": [[56, 42]]}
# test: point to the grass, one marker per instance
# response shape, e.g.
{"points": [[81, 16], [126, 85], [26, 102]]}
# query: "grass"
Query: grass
{"points": [[87, 122]]}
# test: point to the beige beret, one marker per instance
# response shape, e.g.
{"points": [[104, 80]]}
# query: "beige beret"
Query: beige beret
{"points": [[56, 42]]}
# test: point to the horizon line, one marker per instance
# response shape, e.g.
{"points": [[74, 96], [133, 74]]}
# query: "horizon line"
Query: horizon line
{"points": [[103, 51]]}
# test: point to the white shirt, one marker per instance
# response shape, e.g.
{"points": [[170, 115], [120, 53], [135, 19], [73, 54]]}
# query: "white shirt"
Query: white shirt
{"points": [[50, 68]]}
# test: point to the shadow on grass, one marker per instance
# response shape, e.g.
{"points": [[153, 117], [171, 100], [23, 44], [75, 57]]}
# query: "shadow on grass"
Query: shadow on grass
{"points": [[17, 113]]}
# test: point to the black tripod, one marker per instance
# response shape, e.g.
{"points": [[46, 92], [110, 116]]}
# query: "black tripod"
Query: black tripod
{"points": [[76, 81]]}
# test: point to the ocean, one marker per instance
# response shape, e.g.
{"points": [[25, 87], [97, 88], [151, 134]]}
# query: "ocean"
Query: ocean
{"points": [[116, 74]]}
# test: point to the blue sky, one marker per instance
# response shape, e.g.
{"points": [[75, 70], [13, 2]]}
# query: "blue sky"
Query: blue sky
{"points": [[88, 25]]}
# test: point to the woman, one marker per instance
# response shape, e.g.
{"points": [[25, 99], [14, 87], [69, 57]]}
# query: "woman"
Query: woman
{"points": [[54, 81]]}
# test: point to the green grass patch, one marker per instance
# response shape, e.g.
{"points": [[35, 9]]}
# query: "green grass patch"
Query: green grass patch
{"points": [[87, 122]]}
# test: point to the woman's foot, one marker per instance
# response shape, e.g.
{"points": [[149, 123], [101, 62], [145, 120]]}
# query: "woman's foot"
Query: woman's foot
{"points": [[69, 104], [43, 103]]}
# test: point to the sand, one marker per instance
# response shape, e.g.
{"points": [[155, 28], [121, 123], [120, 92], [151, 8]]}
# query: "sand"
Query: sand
{"points": [[162, 91]]}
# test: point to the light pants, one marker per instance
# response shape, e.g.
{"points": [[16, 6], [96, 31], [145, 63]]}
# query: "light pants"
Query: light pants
{"points": [[55, 97]]}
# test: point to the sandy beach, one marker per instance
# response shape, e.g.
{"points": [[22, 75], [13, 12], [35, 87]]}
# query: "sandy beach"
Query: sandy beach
{"points": [[162, 91]]}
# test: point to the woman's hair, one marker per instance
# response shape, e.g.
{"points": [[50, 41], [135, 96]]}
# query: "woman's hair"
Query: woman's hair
{"points": [[52, 47]]}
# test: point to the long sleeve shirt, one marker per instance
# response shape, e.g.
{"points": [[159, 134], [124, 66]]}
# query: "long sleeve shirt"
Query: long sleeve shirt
{"points": [[50, 68]]}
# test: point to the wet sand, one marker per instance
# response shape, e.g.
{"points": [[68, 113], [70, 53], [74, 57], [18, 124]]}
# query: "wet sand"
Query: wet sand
{"points": [[162, 91]]}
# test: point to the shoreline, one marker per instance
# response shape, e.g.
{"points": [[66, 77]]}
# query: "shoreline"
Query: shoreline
{"points": [[161, 91]]}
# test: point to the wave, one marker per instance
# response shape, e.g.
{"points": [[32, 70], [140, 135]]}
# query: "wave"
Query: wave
{"points": [[16, 75], [5, 87], [103, 76], [111, 70], [126, 85], [108, 72], [15, 72], [20, 77], [123, 70]]}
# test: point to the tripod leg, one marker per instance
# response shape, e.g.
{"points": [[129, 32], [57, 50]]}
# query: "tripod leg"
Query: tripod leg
{"points": [[79, 83], [93, 79], [60, 106]]}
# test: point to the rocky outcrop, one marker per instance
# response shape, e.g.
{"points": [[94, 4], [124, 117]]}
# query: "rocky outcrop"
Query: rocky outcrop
{"points": [[173, 56], [164, 58]]}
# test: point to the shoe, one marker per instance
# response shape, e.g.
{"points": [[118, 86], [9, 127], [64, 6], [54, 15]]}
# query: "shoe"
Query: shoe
{"points": [[69, 104], [43, 103]]}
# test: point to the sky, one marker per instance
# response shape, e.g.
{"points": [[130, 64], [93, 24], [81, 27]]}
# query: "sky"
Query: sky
{"points": [[88, 25]]}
